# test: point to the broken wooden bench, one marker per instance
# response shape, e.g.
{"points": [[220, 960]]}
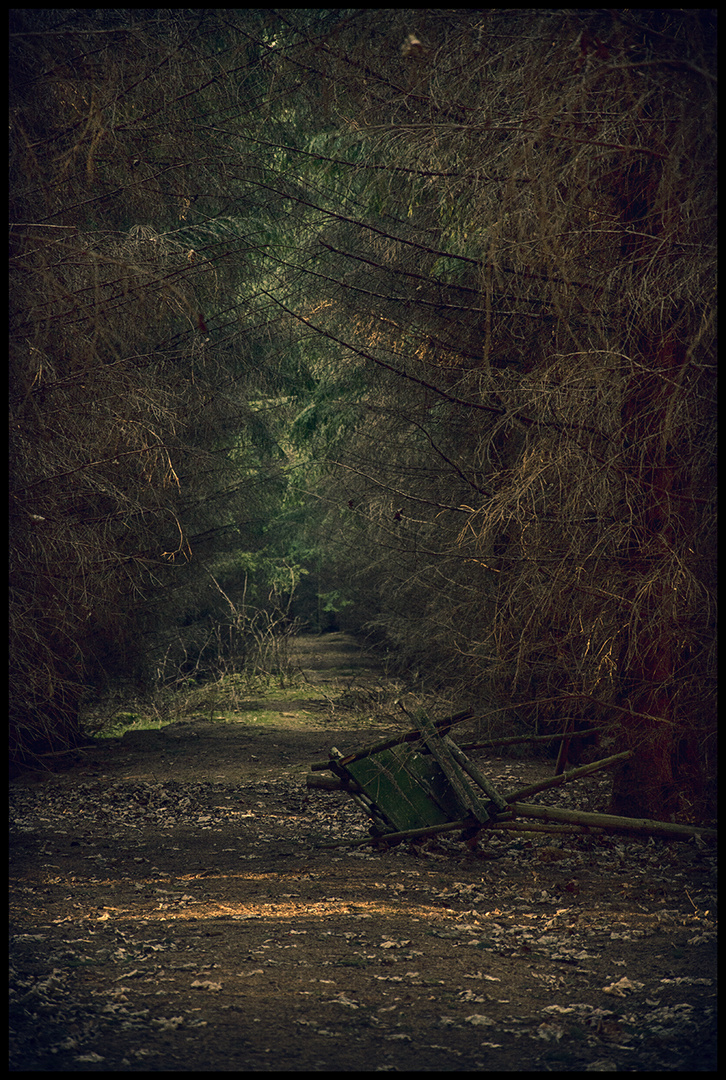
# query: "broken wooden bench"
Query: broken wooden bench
{"points": [[421, 783]]}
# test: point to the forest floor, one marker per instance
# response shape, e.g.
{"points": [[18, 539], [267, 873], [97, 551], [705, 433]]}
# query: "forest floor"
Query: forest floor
{"points": [[172, 909]]}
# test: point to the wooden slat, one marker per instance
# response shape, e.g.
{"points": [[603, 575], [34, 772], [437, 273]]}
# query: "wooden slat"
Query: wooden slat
{"points": [[475, 773], [468, 798]]}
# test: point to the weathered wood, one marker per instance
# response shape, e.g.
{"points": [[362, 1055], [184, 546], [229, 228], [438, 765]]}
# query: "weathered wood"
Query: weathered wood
{"points": [[453, 763], [359, 796], [407, 834], [611, 822], [564, 778], [407, 736], [475, 773], [542, 827], [562, 821], [516, 739], [468, 798]]}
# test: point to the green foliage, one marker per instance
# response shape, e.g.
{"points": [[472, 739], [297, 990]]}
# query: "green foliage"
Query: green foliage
{"points": [[304, 324], [333, 602]]}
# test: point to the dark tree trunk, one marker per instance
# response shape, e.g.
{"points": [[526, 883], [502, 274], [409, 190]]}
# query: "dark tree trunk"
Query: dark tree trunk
{"points": [[644, 786]]}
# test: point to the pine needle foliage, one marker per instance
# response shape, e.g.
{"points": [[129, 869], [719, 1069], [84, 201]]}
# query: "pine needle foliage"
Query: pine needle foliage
{"points": [[136, 369], [532, 286], [466, 259]]}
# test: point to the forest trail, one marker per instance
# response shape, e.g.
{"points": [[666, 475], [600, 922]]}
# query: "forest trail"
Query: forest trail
{"points": [[336, 690], [335, 656], [172, 908]]}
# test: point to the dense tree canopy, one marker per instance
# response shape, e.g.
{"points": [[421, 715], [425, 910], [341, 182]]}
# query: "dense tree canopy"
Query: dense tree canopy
{"points": [[420, 302]]}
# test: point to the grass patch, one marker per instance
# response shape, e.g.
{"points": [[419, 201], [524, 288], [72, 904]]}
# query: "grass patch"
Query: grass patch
{"points": [[230, 698], [260, 717], [121, 722]]}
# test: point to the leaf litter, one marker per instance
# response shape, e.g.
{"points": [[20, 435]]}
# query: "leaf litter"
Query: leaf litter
{"points": [[164, 920]]}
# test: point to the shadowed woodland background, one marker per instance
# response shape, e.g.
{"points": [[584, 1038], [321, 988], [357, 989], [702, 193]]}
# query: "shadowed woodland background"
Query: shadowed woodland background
{"points": [[395, 321]]}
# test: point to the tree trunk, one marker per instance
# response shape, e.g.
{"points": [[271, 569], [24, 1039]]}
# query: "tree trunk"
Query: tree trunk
{"points": [[644, 785]]}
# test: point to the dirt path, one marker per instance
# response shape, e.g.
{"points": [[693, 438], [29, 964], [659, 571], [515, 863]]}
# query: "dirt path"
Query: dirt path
{"points": [[170, 911]]}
